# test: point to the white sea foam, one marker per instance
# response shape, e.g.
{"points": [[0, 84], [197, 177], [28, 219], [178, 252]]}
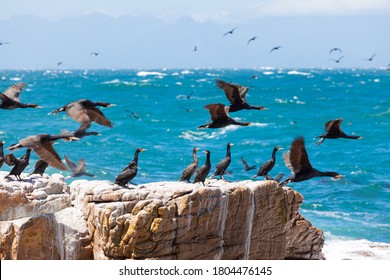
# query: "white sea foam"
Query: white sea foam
{"points": [[186, 72], [15, 79], [294, 72], [268, 73], [209, 134], [339, 248], [118, 82], [150, 73]]}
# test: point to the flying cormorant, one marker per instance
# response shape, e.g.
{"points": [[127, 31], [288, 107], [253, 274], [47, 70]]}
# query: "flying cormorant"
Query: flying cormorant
{"points": [[333, 131], [10, 98], [298, 162], [78, 170], [220, 118], [246, 166], [42, 145], [236, 95], [190, 169]]}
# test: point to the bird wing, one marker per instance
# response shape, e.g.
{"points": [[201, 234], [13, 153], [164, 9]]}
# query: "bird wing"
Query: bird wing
{"points": [[71, 164], [14, 91], [97, 116], [232, 91], [48, 154], [217, 111], [10, 160], [242, 90], [81, 166], [77, 112], [244, 163], [126, 173], [333, 126], [299, 159]]}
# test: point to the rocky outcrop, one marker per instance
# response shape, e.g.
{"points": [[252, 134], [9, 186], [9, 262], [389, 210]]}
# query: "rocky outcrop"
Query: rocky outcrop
{"points": [[164, 220]]}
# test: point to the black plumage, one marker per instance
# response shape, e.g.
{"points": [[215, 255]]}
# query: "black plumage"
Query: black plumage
{"points": [[333, 131], [223, 165], [246, 165], [236, 95], [10, 98], [267, 166], [297, 160], [40, 167], [220, 117], [204, 170], [2, 153], [190, 169], [130, 171], [18, 164]]}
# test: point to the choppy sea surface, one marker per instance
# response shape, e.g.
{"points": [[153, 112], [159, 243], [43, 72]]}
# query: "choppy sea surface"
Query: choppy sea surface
{"points": [[160, 110]]}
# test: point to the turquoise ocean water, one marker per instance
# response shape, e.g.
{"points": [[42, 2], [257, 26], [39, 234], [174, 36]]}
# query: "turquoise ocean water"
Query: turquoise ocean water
{"points": [[153, 112]]}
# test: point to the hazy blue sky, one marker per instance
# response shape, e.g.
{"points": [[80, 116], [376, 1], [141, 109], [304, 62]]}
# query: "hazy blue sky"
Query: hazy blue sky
{"points": [[153, 34]]}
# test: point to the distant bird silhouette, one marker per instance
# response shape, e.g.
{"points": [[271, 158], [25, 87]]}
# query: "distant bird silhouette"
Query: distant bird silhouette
{"points": [[220, 118], [130, 171], [59, 63], [335, 50], [251, 39], [371, 58], [246, 166], [78, 170], [275, 48], [204, 170], [190, 169], [230, 32], [3, 43], [2, 153], [84, 111], [18, 164], [298, 162], [195, 49], [96, 53], [10, 98], [236, 95], [223, 165], [42, 145], [338, 60], [186, 109], [267, 166], [190, 94], [333, 131], [40, 167]]}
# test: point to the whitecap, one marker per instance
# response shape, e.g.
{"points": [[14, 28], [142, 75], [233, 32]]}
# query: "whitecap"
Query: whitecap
{"points": [[15, 79], [150, 73], [210, 134], [186, 72], [257, 124], [268, 73], [294, 72], [115, 81]]}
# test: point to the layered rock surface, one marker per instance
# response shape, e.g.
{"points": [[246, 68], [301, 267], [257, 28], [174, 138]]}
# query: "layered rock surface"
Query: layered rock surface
{"points": [[163, 220]]}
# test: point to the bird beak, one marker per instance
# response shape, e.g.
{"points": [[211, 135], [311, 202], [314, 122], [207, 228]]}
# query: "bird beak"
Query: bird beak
{"points": [[3, 142], [111, 105], [338, 176], [72, 138], [264, 108], [196, 149], [143, 150]]}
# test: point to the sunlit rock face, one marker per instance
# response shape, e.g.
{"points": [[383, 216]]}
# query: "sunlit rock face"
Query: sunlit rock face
{"points": [[162, 220]]}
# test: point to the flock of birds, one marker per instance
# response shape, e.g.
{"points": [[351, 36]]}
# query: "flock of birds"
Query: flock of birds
{"points": [[86, 112]]}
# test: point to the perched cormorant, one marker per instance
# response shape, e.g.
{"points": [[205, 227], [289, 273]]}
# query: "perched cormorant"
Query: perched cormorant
{"points": [[220, 118], [229, 32], [236, 95], [130, 171], [298, 162], [204, 170], [334, 50], [246, 166], [223, 165], [333, 131], [268, 165], [40, 167], [42, 145], [78, 170], [2, 153], [190, 169], [84, 111], [19, 164], [10, 98]]}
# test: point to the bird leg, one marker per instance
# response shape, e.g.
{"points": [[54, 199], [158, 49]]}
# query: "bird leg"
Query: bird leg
{"points": [[268, 177]]}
